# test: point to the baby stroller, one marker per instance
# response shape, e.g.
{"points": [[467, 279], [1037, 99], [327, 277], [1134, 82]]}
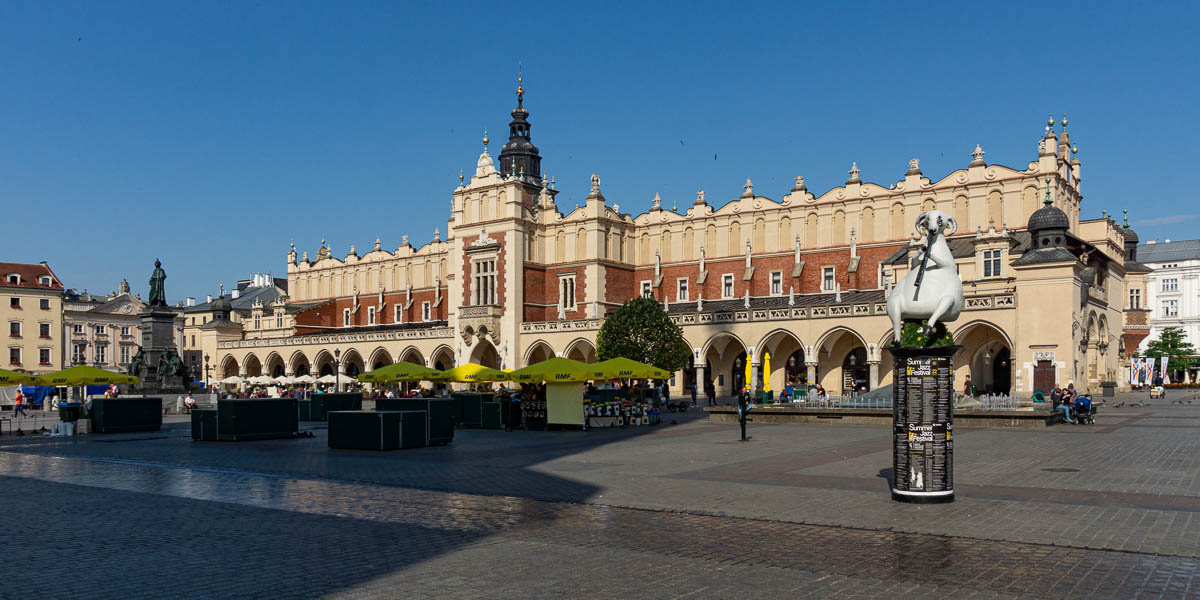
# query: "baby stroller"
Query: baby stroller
{"points": [[1085, 411]]}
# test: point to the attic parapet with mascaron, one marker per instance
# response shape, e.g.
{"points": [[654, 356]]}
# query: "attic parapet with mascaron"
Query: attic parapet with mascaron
{"points": [[407, 268]]}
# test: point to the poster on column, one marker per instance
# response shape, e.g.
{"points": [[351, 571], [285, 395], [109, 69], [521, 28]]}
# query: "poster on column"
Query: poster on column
{"points": [[923, 422]]}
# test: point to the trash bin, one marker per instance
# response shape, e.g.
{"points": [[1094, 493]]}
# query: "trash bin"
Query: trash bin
{"points": [[68, 412], [1108, 389]]}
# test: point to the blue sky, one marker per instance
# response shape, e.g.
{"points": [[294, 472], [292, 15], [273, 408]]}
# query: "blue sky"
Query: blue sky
{"points": [[211, 134]]}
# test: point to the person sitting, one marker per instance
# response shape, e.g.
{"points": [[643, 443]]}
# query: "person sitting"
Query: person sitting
{"points": [[189, 403], [1061, 402]]}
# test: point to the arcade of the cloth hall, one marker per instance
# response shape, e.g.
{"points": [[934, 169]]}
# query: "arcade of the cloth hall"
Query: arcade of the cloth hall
{"points": [[516, 279]]}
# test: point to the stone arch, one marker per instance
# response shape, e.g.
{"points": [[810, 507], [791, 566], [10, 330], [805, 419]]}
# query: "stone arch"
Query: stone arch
{"points": [[299, 364], [251, 366], [783, 345], [380, 357], [582, 350], [228, 367], [273, 365], [928, 204], [832, 354], [413, 355], [724, 355], [484, 353], [443, 355], [322, 363], [986, 356], [352, 363], [538, 352]]}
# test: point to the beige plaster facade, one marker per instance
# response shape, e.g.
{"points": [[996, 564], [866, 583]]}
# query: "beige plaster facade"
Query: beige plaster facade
{"points": [[32, 312], [803, 278]]}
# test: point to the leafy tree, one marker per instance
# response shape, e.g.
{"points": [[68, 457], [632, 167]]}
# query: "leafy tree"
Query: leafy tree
{"points": [[1172, 342], [640, 330]]}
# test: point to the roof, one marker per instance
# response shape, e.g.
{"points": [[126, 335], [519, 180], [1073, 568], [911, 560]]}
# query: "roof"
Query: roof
{"points": [[1043, 256], [963, 246], [368, 328], [244, 301], [1168, 251], [29, 276]]}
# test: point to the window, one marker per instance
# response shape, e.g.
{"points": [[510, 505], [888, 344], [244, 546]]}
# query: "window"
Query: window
{"points": [[484, 281], [43, 330], [79, 354], [125, 354], [44, 304], [681, 289], [101, 353], [14, 329], [399, 313], [43, 356], [279, 322], [14, 279], [1170, 308], [1135, 298], [101, 330], [345, 317], [193, 341], [14, 356], [45, 280], [566, 292], [257, 322], [727, 285], [14, 303], [370, 315], [776, 283], [193, 320], [203, 320], [125, 330], [827, 279], [1170, 284], [991, 263], [77, 329], [425, 314], [647, 292]]}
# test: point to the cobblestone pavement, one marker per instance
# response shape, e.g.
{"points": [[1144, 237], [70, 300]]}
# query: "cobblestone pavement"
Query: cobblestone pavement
{"points": [[675, 511]]}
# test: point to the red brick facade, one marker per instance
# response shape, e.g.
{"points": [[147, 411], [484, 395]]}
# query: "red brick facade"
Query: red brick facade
{"points": [[324, 316], [468, 273], [542, 293]]}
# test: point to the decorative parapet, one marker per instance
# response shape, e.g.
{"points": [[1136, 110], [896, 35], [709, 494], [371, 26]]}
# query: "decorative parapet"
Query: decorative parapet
{"points": [[479, 312], [335, 338], [551, 326]]}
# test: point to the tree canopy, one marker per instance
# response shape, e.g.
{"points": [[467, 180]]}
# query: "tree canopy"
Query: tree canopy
{"points": [[642, 331], [1172, 341]]}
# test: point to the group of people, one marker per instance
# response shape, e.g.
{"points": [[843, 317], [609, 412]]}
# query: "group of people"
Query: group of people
{"points": [[1070, 402]]}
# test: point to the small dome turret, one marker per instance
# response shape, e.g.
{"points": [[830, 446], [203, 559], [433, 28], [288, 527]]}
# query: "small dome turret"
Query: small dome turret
{"points": [[1048, 225]]}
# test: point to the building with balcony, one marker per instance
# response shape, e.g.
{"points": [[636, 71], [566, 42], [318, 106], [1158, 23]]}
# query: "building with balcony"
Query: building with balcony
{"points": [[802, 277], [32, 310], [104, 330], [1172, 290]]}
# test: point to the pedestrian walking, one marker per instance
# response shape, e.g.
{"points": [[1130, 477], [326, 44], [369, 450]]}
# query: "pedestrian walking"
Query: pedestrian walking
{"points": [[19, 404]]}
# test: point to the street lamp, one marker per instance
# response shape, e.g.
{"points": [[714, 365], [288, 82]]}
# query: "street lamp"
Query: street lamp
{"points": [[337, 379], [206, 388]]}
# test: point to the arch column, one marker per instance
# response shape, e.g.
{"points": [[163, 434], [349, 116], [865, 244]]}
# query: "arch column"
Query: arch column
{"points": [[699, 365], [812, 372], [873, 379]]}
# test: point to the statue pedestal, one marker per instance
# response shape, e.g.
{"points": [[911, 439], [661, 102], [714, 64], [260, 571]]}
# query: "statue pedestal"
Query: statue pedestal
{"points": [[158, 338], [923, 424]]}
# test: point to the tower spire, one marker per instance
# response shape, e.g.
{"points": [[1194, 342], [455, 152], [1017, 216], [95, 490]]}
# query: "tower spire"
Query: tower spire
{"points": [[519, 155], [520, 80], [1048, 201]]}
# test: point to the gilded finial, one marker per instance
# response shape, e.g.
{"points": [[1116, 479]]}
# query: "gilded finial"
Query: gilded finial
{"points": [[460, 177], [1050, 123], [1075, 149], [1064, 121], [322, 242], [520, 80], [485, 138]]}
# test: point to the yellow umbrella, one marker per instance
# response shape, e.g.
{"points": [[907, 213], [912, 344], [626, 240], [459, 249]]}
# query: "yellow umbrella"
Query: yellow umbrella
{"points": [[84, 375], [473, 373], [626, 368], [13, 378], [749, 384], [554, 370], [766, 371], [401, 371]]}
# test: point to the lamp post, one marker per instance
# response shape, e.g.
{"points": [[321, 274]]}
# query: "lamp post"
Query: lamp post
{"points": [[206, 388], [337, 379]]}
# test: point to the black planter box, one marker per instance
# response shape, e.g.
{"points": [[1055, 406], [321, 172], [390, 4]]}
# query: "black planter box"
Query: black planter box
{"points": [[442, 414], [204, 424], [472, 407], [117, 415], [377, 430], [493, 417], [316, 406], [257, 419], [68, 412]]}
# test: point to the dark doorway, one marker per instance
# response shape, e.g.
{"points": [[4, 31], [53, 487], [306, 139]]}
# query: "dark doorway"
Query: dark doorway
{"points": [[326, 369], [1002, 372], [737, 378], [277, 371], [689, 376], [794, 369], [855, 371]]}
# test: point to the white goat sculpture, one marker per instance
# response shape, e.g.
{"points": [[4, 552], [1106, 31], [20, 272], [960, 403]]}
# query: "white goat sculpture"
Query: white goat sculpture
{"points": [[931, 289]]}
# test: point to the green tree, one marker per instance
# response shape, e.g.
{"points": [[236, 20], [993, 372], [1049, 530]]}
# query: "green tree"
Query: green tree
{"points": [[642, 331], [1172, 342]]}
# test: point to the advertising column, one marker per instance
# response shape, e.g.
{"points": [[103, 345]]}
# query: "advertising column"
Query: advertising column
{"points": [[923, 425]]}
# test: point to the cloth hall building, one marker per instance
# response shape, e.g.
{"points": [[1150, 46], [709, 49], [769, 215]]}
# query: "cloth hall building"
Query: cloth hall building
{"points": [[516, 279]]}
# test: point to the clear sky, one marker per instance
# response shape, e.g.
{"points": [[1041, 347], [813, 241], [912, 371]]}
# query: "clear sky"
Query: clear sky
{"points": [[212, 134]]}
